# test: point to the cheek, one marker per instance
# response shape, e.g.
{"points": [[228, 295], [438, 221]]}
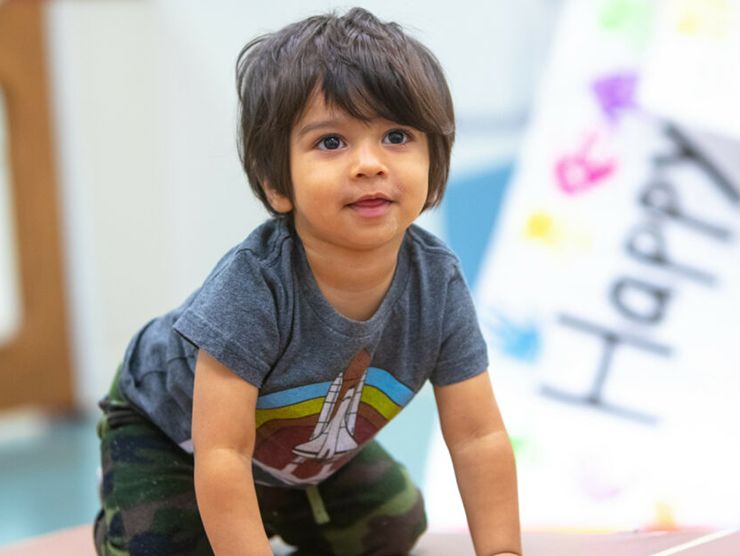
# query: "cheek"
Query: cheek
{"points": [[310, 195], [421, 179], [421, 168]]}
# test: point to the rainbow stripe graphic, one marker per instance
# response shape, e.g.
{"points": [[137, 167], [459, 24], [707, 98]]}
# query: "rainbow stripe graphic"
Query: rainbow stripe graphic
{"points": [[304, 434]]}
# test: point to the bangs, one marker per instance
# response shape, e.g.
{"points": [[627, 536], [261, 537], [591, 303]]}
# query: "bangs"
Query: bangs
{"points": [[366, 93]]}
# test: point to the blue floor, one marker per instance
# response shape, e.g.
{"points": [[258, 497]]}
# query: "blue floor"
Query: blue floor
{"points": [[48, 480]]}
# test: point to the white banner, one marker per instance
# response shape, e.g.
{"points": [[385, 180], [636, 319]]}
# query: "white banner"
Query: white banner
{"points": [[692, 72], [610, 298]]}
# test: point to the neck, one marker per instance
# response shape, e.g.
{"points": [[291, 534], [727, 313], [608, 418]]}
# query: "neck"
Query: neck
{"points": [[353, 282]]}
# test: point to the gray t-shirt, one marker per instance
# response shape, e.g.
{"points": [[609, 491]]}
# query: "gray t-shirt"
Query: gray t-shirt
{"points": [[327, 384]]}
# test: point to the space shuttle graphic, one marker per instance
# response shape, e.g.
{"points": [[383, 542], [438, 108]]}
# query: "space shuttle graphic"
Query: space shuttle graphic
{"points": [[333, 435]]}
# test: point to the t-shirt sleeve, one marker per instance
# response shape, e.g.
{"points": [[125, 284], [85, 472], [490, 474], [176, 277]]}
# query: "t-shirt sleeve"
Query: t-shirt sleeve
{"points": [[234, 318], [463, 353]]}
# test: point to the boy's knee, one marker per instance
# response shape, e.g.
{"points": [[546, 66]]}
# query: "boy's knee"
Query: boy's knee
{"points": [[392, 529], [397, 533]]}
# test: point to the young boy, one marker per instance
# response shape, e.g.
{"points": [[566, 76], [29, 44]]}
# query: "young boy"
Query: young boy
{"points": [[250, 410]]}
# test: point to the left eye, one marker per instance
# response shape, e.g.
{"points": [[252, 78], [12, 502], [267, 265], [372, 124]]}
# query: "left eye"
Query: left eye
{"points": [[330, 143], [397, 137]]}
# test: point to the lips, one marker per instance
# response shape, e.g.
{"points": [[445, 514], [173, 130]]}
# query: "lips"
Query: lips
{"points": [[371, 205], [374, 200]]}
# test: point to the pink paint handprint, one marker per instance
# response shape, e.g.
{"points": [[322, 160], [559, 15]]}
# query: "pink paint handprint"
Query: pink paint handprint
{"points": [[580, 171]]}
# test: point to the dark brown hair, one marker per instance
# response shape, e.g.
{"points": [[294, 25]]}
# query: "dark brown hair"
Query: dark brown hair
{"points": [[364, 66]]}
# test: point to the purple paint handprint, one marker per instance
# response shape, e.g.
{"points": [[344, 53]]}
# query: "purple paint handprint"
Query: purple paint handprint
{"points": [[616, 93]]}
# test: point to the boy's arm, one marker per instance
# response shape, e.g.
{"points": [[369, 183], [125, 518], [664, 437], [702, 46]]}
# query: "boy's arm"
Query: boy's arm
{"points": [[484, 464], [223, 440]]}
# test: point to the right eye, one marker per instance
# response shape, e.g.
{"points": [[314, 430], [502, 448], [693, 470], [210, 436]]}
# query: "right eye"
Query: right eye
{"points": [[330, 143]]}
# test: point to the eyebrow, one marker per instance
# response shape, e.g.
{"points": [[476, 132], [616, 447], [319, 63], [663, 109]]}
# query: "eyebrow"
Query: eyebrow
{"points": [[321, 124]]}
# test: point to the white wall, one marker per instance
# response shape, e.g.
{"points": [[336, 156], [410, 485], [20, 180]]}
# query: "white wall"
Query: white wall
{"points": [[10, 306], [144, 101]]}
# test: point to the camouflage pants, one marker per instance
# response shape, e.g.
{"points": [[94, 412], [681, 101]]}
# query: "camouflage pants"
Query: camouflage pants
{"points": [[370, 506]]}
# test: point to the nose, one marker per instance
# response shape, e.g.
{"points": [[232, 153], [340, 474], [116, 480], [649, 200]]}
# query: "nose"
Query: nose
{"points": [[368, 161]]}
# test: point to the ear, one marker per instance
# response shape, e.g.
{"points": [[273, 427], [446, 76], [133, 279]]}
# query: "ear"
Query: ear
{"points": [[279, 202]]}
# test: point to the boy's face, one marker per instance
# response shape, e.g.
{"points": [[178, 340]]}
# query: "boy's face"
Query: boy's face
{"points": [[357, 185]]}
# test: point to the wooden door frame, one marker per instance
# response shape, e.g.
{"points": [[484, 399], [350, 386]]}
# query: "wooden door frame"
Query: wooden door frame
{"points": [[35, 366]]}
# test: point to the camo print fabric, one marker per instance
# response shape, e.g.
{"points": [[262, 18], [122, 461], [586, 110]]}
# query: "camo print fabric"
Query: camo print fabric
{"points": [[149, 507]]}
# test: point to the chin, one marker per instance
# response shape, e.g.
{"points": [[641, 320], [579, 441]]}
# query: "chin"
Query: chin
{"points": [[371, 239]]}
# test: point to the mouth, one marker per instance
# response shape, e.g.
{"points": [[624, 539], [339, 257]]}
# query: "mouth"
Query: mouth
{"points": [[374, 200], [371, 205]]}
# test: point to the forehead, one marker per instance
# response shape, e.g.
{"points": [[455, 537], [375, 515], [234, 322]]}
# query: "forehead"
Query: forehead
{"points": [[319, 113], [317, 107]]}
